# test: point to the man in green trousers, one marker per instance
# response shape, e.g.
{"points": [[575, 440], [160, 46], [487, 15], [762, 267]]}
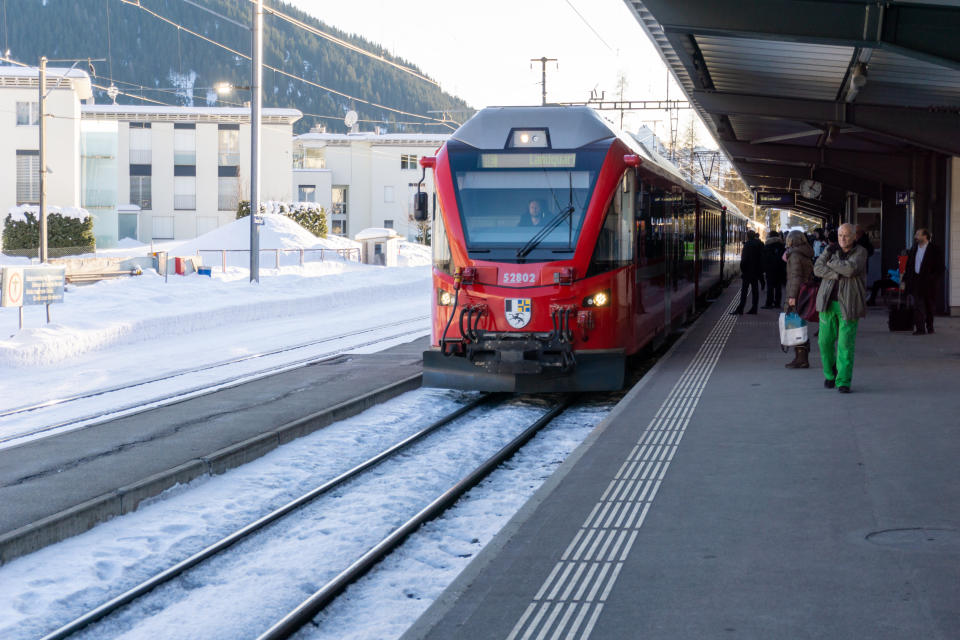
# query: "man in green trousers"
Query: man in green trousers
{"points": [[841, 302]]}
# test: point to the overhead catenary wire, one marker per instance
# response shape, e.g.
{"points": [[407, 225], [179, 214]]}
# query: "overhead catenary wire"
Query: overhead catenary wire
{"points": [[343, 43], [136, 3]]}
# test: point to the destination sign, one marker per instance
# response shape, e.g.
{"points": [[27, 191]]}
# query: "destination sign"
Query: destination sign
{"points": [[528, 160], [668, 198], [31, 285], [776, 198]]}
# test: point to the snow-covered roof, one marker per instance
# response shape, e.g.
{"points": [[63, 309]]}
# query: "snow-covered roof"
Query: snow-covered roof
{"points": [[158, 112], [375, 138], [376, 232], [21, 77]]}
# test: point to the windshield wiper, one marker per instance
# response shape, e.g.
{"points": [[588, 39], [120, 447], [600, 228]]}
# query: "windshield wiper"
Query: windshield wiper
{"points": [[543, 233]]}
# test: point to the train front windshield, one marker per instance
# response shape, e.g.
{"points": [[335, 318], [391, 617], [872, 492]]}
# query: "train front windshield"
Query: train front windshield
{"points": [[523, 206]]}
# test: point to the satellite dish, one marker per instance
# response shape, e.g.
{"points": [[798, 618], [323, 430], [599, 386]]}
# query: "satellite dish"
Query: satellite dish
{"points": [[350, 119]]}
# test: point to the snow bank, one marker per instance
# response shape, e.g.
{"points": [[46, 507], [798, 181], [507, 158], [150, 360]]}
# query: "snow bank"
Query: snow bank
{"points": [[414, 255], [277, 232], [376, 232], [136, 310], [19, 213]]}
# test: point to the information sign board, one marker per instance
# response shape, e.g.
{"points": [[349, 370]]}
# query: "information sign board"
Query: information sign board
{"points": [[21, 286], [672, 198], [776, 198], [903, 197]]}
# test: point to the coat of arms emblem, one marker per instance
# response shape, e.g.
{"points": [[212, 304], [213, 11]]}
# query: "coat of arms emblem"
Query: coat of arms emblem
{"points": [[517, 312]]}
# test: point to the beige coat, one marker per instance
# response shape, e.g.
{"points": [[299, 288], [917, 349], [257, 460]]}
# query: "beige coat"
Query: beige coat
{"points": [[847, 276], [799, 269]]}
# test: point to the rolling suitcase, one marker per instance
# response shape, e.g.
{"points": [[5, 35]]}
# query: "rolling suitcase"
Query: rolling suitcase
{"points": [[901, 316]]}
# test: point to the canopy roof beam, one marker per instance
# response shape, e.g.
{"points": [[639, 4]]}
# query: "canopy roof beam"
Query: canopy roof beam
{"points": [[924, 32]]}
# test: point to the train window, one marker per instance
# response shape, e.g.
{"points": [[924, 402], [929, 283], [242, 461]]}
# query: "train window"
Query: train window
{"points": [[505, 204], [442, 259], [614, 246]]}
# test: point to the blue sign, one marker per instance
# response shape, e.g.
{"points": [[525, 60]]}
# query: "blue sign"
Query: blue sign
{"points": [[21, 286], [258, 218], [776, 199]]}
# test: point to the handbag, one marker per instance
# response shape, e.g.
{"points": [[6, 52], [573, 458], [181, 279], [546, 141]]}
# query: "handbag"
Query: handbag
{"points": [[793, 330], [807, 301]]}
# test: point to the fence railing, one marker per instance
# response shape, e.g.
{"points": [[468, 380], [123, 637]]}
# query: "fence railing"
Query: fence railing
{"points": [[303, 255]]}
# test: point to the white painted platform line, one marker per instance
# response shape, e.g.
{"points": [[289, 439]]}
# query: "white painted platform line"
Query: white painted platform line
{"points": [[569, 602]]}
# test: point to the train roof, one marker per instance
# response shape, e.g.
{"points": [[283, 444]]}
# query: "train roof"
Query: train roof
{"points": [[568, 127]]}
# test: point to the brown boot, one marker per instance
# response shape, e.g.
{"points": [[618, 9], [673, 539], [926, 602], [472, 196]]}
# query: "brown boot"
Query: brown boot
{"points": [[800, 358]]}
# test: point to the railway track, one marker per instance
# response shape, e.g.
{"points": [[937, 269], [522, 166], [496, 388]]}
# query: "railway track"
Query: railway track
{"points": [[159, 398], [307, 609]]}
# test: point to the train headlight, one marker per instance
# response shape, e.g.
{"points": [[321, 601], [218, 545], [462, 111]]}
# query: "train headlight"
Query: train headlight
{"points": [[599, 299], [528, 138], [444, 298]]}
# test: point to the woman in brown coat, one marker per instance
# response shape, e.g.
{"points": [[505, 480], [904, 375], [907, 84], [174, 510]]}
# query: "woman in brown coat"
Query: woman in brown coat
{"points": [[799, 257]]}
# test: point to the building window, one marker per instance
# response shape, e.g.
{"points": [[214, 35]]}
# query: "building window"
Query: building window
{"points": [[162, 227], [184, 144], [185, 193], [140, 143], [408, 161], [338, 213], [228, 193], [28, 113], [307, 193], [388, 193], [388, 224], [310, 158], [229, 145], [141, 192], [28, 177]]}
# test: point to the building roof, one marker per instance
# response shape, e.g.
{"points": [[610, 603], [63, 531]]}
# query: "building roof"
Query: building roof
{"points": [[153, 113], [396, 139], [28, 77]]}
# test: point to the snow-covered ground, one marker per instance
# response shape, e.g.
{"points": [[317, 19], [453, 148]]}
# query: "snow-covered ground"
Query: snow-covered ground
{"points": [[117, 331]]}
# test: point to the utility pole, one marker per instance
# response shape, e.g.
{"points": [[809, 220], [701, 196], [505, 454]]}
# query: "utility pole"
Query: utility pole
{"points": [[543, 76], [256, 97], [42, 125]]}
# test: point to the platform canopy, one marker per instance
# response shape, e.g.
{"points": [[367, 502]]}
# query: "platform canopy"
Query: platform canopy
{"points": [[843, 92]]}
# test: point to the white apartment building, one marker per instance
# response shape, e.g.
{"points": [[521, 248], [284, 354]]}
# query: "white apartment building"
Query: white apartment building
{"points": [[363, 179], [20, 135], [177, 172], [147, 173]]}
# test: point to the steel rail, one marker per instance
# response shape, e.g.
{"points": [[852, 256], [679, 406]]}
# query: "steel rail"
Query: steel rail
{"points": [[179, 396], [309, 608], [182, 372], [145, 587]]}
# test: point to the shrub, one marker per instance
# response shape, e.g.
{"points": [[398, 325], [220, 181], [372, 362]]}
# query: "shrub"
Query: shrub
{"points": [[62, 231], [310, 217]]}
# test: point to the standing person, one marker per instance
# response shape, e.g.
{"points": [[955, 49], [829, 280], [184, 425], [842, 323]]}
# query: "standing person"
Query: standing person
{"points": [[922, 279], [799, 257], [751, 270], [774, 269], [841, 302], [819, 242]]}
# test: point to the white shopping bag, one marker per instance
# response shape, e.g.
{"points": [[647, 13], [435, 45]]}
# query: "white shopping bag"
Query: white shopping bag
{"points": [[793, 330]]}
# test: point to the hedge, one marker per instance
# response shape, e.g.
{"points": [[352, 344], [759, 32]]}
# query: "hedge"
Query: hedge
{"points": [[62, 231], [311, 218]]}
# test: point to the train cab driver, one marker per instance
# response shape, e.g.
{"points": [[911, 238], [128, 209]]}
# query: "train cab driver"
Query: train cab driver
{"points": [[534, 215]]}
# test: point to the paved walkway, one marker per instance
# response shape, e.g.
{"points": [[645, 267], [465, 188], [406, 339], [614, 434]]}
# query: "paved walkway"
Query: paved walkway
{"points": [[729, 497]]}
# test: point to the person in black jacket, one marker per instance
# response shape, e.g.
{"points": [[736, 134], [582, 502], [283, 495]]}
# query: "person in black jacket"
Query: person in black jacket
{"points": [[751, 269], [922, 279], [774, 269]]}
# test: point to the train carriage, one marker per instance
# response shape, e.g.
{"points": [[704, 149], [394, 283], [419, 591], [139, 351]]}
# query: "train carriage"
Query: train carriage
{"points": [[560, 247]]}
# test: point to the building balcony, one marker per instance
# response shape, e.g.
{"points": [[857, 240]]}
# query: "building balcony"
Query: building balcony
{"points": [[229, 159], [185, 157], [227, 203]]}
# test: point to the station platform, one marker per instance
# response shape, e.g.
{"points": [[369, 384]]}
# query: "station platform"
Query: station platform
{"points": [[64, 484], [729, 497]]}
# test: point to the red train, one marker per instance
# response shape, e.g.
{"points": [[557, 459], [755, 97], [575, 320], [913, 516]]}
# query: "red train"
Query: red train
{"points": [[560, 247]]}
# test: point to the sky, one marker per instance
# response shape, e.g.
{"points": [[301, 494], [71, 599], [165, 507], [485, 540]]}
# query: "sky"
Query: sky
{"points": [[481, 51]]}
